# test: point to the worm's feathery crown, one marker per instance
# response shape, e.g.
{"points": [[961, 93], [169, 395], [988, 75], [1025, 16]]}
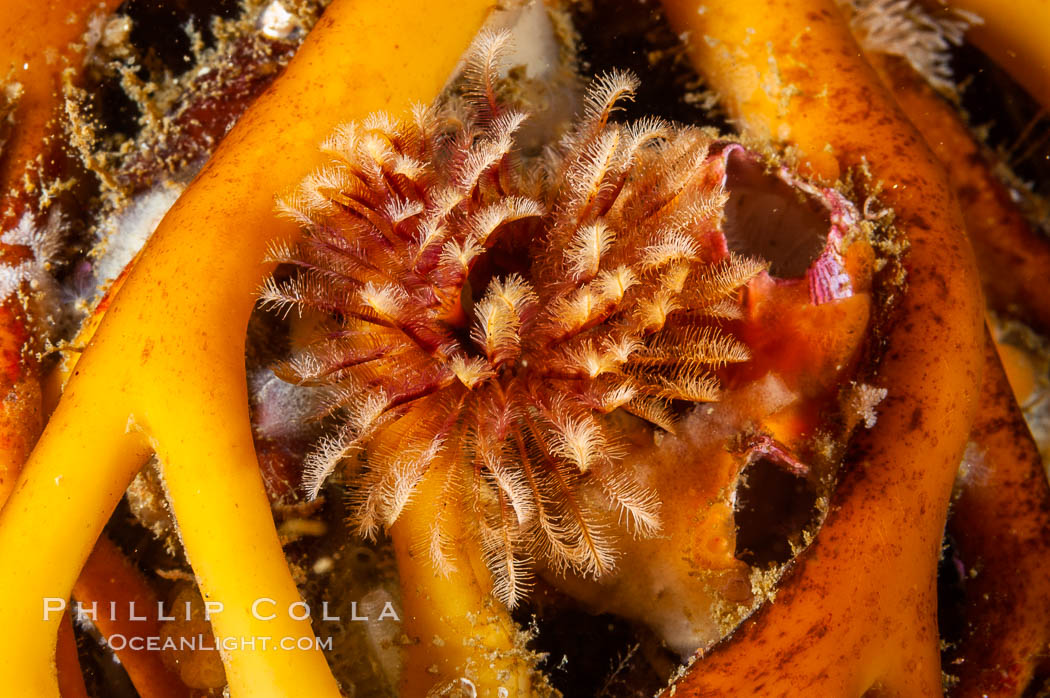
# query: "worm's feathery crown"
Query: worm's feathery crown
{"points": [[486, 321]]}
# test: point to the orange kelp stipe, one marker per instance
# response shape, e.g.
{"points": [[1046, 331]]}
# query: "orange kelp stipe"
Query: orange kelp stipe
{"points": [[1001, 518], [38, 43], [1014, 35], [1001, 236], [166, 368], [858, 609], [70, 678], [1000, 526], [110, 578]]}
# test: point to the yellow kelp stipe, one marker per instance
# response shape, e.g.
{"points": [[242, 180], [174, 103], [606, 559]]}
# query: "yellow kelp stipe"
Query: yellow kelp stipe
{"points": [[457, 631], [166, 369], [1014, 34]]}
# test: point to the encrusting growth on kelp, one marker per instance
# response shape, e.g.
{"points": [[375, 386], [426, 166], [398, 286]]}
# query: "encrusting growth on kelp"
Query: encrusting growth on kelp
{"points": [[488, 319]]}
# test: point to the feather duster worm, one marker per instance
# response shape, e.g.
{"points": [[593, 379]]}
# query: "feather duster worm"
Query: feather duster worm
{"points": [[483, 322]]}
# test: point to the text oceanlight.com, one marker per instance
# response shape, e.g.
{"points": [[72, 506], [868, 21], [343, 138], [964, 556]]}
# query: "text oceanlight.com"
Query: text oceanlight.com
{"points": [[152, 643]]}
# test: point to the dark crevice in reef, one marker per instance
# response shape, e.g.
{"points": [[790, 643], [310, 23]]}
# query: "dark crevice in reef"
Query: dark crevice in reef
{"points": [[594, 655], [634, 36], [773, 506]]}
